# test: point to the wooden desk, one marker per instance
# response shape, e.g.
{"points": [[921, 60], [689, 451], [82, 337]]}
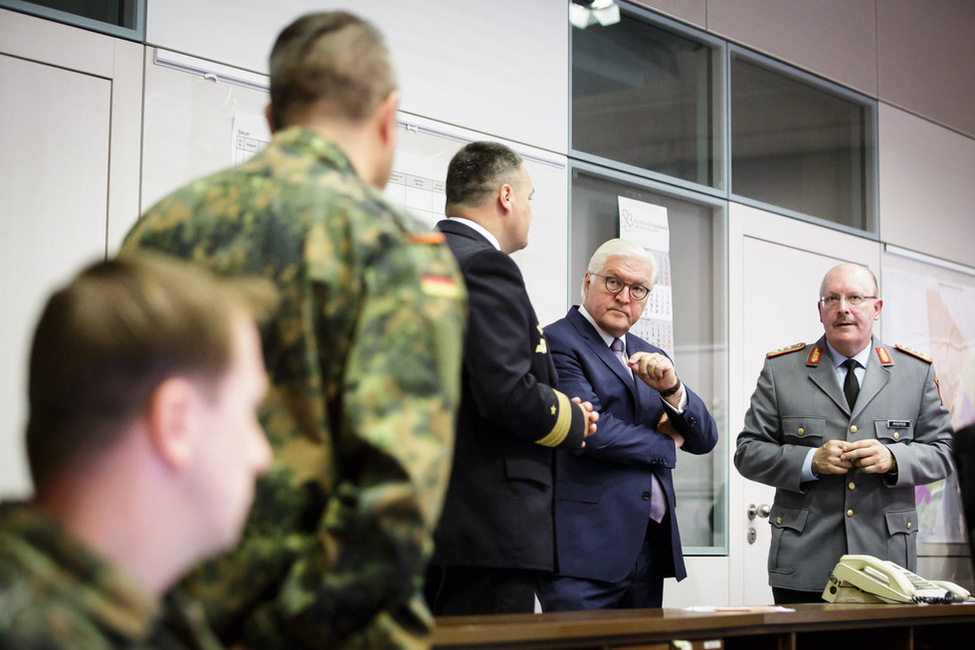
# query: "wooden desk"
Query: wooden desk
{"points": [[810, 627]]}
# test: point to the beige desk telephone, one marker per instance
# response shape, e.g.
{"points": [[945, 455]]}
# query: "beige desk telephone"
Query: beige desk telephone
{"points": [[866, 579]]}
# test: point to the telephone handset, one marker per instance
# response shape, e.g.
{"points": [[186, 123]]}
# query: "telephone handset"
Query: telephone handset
{"points": [[864, 578]]}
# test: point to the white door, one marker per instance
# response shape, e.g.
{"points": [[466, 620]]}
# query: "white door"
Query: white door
{"points": [[69, 100], [776, 265]]}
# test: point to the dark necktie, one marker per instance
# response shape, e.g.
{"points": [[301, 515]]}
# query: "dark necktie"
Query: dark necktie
{"points": [[851, 387]]}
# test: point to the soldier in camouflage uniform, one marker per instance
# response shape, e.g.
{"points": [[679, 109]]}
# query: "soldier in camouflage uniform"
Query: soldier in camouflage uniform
{"points": [[43, 607], [144, 447], [364, 358]]}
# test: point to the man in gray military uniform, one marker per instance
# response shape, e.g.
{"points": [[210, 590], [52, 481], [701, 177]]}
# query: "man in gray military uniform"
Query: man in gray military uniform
{"points": [[843, 429]]}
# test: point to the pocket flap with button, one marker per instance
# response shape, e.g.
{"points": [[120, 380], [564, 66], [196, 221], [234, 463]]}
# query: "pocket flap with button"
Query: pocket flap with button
{"points": [[904, 521], [785, 517], [804, 430]]}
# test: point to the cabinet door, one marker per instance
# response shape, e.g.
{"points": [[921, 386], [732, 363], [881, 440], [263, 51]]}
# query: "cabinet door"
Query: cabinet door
{"points": [[66, 152], [776, 265]]}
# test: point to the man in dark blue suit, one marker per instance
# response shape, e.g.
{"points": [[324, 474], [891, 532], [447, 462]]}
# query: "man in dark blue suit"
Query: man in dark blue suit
{"points": [[617, 536], [496, 535]]}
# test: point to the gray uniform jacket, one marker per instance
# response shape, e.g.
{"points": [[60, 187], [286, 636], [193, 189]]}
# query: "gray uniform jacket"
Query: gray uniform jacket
{"points": [[798, 405]]}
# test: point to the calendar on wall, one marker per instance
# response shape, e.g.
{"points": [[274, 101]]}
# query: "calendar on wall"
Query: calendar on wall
{"points": [[646, 224]]}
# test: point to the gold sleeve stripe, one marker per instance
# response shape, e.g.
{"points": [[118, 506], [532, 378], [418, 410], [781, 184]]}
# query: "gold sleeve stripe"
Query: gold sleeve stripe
{"points": [[562, 423]]}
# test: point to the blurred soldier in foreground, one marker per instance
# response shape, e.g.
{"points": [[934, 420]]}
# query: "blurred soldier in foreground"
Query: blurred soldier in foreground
{"points": [[144, 446], [364, 358]]}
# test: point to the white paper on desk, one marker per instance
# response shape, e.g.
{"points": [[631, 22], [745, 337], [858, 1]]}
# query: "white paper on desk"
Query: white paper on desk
{"points": [[251, 134], [709, 609]]}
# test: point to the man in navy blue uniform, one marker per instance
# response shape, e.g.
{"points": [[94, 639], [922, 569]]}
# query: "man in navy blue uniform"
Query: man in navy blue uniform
{"points": [[617, 536], [496, 535]]}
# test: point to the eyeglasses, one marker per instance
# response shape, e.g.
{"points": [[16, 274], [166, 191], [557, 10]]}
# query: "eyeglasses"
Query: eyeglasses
{"points": [[614, 285], [832, 302]]}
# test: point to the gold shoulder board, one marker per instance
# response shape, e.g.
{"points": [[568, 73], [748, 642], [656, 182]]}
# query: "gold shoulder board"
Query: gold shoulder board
{"points": [[785, 350], [915, 353]]}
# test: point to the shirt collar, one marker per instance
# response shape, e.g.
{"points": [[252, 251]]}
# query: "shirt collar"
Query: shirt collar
{"points": [[862, 357], [479, 228], [607, 338]]}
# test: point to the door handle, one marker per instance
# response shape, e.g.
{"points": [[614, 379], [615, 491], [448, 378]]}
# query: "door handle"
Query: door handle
{"points": [[759, 511]]}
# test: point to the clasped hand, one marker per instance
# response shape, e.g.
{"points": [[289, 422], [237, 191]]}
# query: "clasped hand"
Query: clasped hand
{"points": [[591, 416], [839, 456]]}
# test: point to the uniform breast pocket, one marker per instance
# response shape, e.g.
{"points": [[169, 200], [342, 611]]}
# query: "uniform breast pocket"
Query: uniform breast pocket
{"points": [[890, 431], [803, 430]]}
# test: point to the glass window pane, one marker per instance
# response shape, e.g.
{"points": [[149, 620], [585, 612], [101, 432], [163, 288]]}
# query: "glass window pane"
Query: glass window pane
{"points": [[800, 146], [110, 11], [698, 278], [644, 96], [125, 18]]}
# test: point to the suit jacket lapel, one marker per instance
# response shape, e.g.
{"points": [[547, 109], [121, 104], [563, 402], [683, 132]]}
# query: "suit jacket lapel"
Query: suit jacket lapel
{"points": [[602, 351]]}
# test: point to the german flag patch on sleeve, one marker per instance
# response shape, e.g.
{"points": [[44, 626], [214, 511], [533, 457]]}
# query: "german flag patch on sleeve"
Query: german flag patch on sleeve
{"points": [[439, 286]]}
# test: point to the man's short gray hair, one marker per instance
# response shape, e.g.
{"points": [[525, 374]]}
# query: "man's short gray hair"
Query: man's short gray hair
{"points": [[625, 249]]}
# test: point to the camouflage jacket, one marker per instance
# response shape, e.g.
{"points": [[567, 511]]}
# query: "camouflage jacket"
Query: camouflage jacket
{"points": [[364, 364], [55, 594]]}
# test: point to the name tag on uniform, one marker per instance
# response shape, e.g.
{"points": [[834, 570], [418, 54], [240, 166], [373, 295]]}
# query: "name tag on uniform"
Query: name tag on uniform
{"points": [[898, 424]]}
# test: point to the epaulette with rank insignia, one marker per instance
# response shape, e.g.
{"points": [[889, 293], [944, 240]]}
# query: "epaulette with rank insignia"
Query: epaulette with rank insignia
{"points": [[884, 357], [915, 354], [785, 350], [815, 356]]}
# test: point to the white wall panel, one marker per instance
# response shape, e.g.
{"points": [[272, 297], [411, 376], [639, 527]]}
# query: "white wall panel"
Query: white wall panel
{"points": [[70, 110], [498, 67], [836, 39], [925, 59], [927, 197], [694, 12]]}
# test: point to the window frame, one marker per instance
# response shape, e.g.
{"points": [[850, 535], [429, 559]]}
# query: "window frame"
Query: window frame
{"points": [[719, 109], [136, 33], [723, 51], [871, 149]]}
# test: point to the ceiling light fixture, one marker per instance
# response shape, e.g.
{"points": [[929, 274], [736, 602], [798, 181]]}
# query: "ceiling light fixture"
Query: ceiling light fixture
{"points": [[583, 13]]}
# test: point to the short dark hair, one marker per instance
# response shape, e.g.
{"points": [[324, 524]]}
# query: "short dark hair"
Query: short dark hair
{"points": [[477, 170], [106, 340], [334, 57]]}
